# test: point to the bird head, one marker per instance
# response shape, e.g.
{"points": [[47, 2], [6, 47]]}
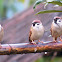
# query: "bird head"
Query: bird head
{"points": [[36, 23], [57, 20]]}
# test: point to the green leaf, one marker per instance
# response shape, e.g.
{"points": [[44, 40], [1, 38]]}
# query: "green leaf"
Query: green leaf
{"points": [[45, 5], [37, 2], [21, 1], [48, 11], [56, 2], [51, 0], [1, 7]]}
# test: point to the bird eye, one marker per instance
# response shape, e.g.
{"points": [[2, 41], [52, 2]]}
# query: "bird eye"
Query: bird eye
{"points": [[37, 24], [33, 24], [59, 21]]}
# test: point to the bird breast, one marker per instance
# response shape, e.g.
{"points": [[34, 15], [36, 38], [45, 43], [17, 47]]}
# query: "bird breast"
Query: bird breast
{"points": [[56, 30], [37, 33]]}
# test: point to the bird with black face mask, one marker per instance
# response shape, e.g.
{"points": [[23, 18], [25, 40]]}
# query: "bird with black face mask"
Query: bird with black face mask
{"points": [[56, 28], [36, 31]]}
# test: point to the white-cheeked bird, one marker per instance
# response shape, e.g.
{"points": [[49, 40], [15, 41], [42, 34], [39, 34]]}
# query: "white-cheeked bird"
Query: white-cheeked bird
{"points": [[36, 31], [56, 28]]}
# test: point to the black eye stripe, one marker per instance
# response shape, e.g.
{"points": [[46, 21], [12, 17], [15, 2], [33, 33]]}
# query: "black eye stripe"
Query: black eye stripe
{"points": [[55, 20], [33, 24]]}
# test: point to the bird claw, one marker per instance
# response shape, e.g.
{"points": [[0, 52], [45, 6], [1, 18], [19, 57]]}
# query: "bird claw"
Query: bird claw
{"points": [[41, 41], [61, 40], [33, 42], [55, 41]]}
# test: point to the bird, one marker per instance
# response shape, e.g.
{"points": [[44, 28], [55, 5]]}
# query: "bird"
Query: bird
{"points": [[1, 34], [36, 31], [56, 28]]}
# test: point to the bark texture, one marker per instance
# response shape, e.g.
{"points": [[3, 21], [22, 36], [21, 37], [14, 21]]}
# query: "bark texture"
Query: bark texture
{"points": [[23, 48]]}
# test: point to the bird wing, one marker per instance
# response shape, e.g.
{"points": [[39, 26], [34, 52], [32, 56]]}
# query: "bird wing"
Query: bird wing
{"points": [[54, 33], [51, 28], [1, 34], [30, 33]]}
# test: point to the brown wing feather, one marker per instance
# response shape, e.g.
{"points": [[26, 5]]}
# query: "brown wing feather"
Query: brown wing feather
{"points": [[30, 36], [1, 34], [53, 32], [51, 29]]}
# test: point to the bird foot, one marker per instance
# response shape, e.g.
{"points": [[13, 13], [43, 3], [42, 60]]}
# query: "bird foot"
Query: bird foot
{"points": [[33, 42], [41, 41], [61, 40], [55, 41]]}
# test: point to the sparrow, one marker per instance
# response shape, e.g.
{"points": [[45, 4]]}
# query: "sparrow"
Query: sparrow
{"points": [[36, 31], [1, 34], [56, 28]]}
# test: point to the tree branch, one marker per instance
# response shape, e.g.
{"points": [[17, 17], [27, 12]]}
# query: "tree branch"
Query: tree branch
{"points": [[21, 48]]}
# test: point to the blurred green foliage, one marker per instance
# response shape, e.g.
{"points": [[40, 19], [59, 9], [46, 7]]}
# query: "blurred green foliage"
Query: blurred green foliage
{"points": [[4, 6], [21, 1], [48, 59], [57, 2], [31, 2], [10, 7], [48, 11]]}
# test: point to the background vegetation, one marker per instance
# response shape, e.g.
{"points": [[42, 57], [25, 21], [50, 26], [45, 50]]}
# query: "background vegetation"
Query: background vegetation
{"points": [[10, 7]]}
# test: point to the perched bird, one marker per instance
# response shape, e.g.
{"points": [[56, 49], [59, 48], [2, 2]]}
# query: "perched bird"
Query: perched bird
{"points": [[56, 28], [1, 34], [36, 31]]}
